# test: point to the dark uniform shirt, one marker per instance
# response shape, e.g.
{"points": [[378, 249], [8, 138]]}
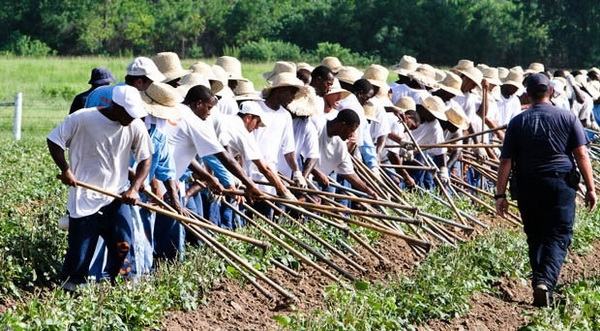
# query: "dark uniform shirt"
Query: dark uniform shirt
{"points": [[542, 139]]}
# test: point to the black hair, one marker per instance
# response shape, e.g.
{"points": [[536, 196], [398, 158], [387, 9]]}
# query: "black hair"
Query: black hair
{"points": [[198, 92], [348, 116], [413, 115], [304, 75], [362, 86], [130, 80], [321, 71]]}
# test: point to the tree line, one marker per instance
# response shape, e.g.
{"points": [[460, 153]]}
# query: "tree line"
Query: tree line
{"points": [[560, 33]]}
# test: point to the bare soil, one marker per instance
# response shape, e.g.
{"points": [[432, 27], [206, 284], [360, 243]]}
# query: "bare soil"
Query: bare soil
{"points": [[234, 306]]}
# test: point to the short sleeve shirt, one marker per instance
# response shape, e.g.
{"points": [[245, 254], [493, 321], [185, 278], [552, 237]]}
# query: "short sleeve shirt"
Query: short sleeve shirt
{"points": [[542, 139]]}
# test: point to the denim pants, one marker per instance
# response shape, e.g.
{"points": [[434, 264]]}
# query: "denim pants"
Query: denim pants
{"points": [[113, 223], [547, 207]]}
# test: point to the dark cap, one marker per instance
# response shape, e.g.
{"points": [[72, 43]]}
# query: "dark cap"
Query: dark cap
{"points": [[101, 76], [538, 82]]}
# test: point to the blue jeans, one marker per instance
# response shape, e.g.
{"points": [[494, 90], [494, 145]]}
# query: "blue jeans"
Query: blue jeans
{"points": [[547, 207], [113, 223]]}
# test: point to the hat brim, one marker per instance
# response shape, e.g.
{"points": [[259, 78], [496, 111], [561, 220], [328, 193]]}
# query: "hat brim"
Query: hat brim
{"points": [[451, 90], [102, 81], [344, 93], [462, 125], [164, 112], [172, 75], [216, 85], [493, 81], [137, 111], [423, 80], [248, 97], [468, 75], [239, 78], [268, 90], [379, 83]]}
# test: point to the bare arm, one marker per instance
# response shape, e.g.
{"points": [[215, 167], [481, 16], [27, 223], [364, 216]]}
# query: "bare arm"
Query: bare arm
{"points": [[503, 174], [358, 184], [290, 158], [237, 171], [137, 182], [270, 175], [58, 155], [583, 163]]}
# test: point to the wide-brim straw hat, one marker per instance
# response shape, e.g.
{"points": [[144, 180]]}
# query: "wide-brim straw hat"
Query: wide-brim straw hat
{"points": [[424, 75], [245, 91], [280, 67], [473, 74], [534, 68], [304, 65], [457, 116], [436, 106], [503, 72], [406, 65], [491, 76], [337, 88], [304, 103], [282, 80], [222, 76], [451, 84], [190, 80], [161, 100], [349, 75], [439, 75], [169, 64], [333, 63], [371, 111], [204, 69], [515, 78], [406, 103], [462, 65], [377, 75], [232, 66]]}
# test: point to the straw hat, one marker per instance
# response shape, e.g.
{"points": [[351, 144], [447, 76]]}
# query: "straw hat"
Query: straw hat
{"points": [[439, 75], [462, 65], [406, 65], [518, 69], [491, 76], [349, 75], [595, 70], [482, 66], [457, 116], [281, 80], [253, 108], [424, 75], [451, 84], [304, 103], [161, 99], [436, 106], [280, 67], [190, 80], [473, 74], [168, 63], [337, 88], [232, 66], [406, 103], [371, 111], [332, 62], [205, 70], [304, 65], [377, 75], [245, 91], [503, 72], [515, 78], [535, 67]]}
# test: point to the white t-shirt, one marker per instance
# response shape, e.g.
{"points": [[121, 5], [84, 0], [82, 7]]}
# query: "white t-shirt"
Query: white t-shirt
{"points": [[430, 133], [227, 106], [508, 108], [399, 91], [306, 141], [584, 110], [99, 154], [192, 137], [233, 134], [418, 95], [383, 127], [492, 112], [362, 133], [397, 128], [334, 153], [468, 104]]}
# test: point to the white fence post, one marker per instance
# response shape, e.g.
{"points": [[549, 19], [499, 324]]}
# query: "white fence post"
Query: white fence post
{"points": [[18, 114]]}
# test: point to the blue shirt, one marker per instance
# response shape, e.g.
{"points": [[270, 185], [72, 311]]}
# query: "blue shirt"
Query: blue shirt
{"points": [[101, 97], [541, 140]]}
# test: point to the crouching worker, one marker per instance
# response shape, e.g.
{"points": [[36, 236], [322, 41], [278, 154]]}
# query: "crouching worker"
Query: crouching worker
{"points": [[101, 143]]}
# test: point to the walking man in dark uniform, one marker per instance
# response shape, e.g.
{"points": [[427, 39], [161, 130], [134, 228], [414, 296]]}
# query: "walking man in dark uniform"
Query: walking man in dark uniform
{"points": [[544, 143]]}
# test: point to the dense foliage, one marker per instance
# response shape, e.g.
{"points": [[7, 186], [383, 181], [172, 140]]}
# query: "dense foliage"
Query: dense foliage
{"points": [[507, 32]]}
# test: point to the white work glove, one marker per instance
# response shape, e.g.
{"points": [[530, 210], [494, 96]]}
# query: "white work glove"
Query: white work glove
{"points": [[444, 175], [480, 154], [376, 172], [409, 156], [299, 180]]}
